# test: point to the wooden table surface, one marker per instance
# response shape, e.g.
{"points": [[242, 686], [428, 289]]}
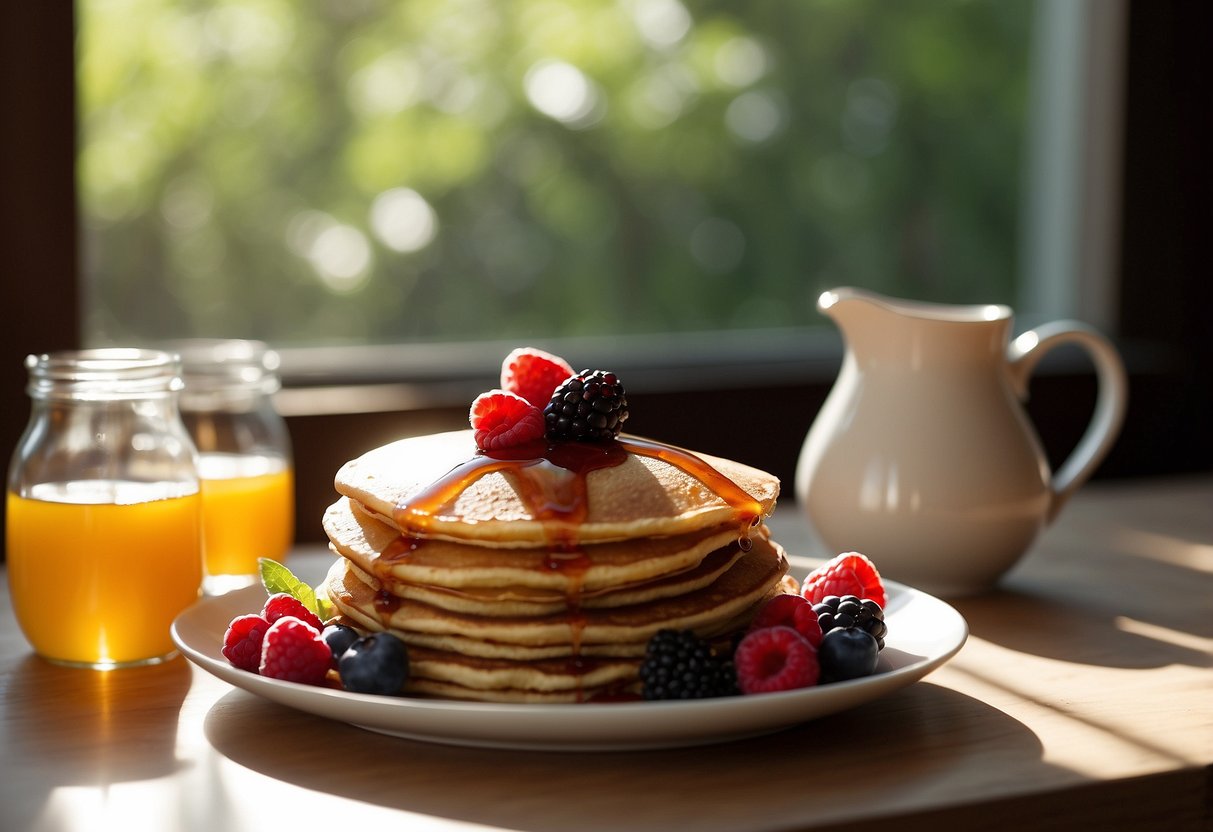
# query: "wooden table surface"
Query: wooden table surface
{"points": [[1082, 700]]}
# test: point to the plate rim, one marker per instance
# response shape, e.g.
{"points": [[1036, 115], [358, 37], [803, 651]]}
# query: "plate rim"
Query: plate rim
{"points": [[568, 726]]}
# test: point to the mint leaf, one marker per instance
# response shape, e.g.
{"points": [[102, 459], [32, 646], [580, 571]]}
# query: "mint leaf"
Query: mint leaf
{"points": [[324, 608], [277, 578]]}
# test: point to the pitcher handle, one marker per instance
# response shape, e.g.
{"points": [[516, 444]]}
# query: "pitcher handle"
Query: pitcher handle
{"points": [[1110, 404]]}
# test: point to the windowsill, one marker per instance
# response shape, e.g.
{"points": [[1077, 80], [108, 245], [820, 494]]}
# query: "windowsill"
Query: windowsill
{"points": [[350, 380], [409, 377]]}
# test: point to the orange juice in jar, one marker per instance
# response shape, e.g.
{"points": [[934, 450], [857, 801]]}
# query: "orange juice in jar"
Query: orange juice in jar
{"points": [[248, 511], [104, 525], [244, 456], [98, 571]]}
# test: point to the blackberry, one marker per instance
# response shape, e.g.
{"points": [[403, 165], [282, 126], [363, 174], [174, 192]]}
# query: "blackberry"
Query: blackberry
{"points": [[588, 407], [850, 612], [679, 665]]}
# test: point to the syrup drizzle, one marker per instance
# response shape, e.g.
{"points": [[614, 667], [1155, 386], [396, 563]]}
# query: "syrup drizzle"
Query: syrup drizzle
{"points": [[748, 510], [386, 605], [551, 481], [558, 498], [398, 551]]}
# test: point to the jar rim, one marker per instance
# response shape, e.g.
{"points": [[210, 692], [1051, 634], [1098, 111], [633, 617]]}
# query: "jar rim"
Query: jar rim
{"points": [[222, 367], [103, 373], [196, 352]]}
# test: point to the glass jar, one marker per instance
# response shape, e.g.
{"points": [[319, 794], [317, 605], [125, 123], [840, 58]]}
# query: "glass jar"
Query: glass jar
{"points": [[244, 457], [104, 509]]}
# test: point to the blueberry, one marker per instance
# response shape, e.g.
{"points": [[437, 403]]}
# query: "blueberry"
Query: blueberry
{"points": [[339, 637], [378, 663], [847, 654]]}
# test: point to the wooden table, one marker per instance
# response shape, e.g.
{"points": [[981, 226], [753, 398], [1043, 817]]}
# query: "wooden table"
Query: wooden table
{"points": [[1082, 700]]}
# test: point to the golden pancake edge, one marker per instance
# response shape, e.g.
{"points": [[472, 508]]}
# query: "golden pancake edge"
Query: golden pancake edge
{"points": [[641, 496]]}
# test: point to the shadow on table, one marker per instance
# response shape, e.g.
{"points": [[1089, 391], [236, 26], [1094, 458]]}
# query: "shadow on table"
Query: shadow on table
{"points": [[91, 728], [937, 738]]}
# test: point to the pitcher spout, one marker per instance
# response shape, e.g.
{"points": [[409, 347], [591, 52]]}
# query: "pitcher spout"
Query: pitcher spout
{"points": [[828, 301], [849, 308]]}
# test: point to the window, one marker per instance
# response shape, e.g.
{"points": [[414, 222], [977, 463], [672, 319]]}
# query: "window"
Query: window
{"points": [[437, 171]]}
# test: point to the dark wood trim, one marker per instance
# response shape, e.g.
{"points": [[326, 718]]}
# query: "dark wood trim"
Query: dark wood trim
{"points": [[1167, 227], [39, 290]]}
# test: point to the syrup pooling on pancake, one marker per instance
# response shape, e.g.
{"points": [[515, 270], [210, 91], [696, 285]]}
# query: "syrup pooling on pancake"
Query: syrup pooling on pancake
{"points": [[556, 496], [551, 481]]}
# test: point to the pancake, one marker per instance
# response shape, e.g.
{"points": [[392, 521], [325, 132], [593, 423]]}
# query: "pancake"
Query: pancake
{"points": [[515, 652], [439, 486], [361, 597], [520, 652], [520, 600], [447, 690], [543, 675], [363, 538]]}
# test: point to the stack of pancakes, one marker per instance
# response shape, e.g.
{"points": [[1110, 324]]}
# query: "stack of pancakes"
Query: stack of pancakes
{"points": [[539, 575]]}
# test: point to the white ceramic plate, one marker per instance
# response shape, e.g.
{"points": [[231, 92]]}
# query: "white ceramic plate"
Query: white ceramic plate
{"points": [[924, 632]]}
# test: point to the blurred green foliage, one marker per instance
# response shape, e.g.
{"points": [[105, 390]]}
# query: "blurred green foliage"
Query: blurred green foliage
{"points": [[348, 171]]}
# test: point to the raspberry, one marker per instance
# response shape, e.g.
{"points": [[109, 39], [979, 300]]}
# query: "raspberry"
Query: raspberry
{"points": [[533, 374], [242, 641], [789, 611], [295, 652], [589, 407], [773, 659], [503, 420], [281, 605], [679, 665], [848, 574], [834, 613]]}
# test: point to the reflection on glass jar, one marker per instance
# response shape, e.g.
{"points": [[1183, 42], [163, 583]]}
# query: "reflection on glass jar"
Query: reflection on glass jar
{"points": [[244, 456], [104, 509]]}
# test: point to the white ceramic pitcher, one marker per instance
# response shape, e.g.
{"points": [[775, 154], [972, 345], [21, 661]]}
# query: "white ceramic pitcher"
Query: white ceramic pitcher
{"points": [[922, 456]]}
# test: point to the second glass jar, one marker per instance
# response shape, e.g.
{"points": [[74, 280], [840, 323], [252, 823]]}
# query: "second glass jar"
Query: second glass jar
{"points": [[244, 457]]}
